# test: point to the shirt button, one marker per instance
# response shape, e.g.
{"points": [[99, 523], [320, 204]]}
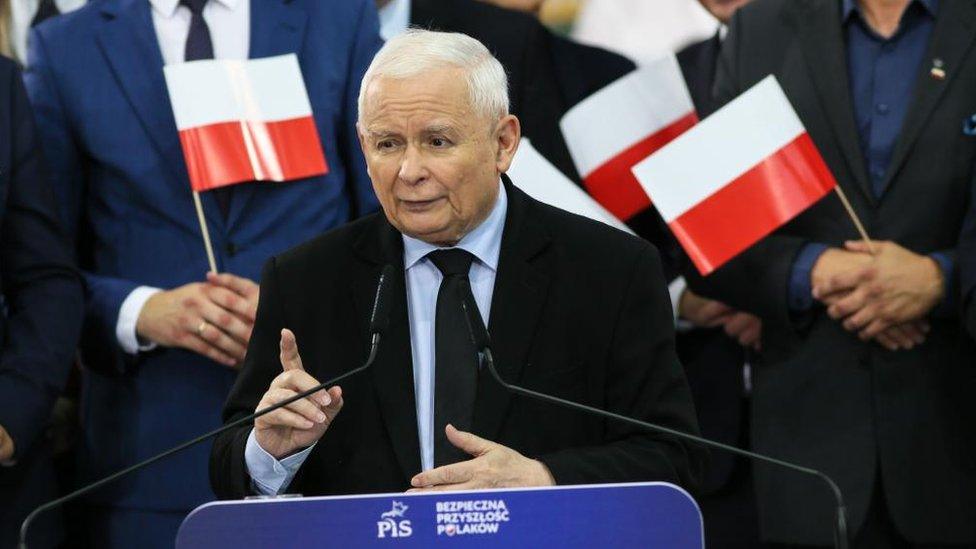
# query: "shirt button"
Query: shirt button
{"points": [[882, 108]]}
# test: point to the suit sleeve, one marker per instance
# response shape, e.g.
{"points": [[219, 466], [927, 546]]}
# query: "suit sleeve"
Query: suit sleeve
{"points": [[42, 291], [367, 43], [228, 469], [104, 295], [757, 280], [646, 381]]}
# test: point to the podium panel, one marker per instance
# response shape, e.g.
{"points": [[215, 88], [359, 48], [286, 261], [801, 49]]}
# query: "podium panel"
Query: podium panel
{"points": [[648, 515]]}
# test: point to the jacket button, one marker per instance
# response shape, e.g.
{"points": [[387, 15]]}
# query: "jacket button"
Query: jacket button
{"points": [[231, 249]]}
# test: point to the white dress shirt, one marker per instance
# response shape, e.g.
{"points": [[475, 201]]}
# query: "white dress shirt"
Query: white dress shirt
{"points": [[270, 476], [229, 22]]}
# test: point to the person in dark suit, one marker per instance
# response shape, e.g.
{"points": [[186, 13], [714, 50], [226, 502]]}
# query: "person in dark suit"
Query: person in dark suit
{"points": [[163, 340], [717, 345], [42, 303], [863, 375], [575, 308]]}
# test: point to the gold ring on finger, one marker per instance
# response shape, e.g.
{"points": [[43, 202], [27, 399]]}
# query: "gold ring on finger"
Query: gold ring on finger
{"points": [[201, 327]]}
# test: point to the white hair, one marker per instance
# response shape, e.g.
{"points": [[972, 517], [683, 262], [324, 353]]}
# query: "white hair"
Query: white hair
{"points": [[418, 51]]}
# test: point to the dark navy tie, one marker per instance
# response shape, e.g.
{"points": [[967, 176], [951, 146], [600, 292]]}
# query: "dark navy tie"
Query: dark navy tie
{"points": [[199, 46], [198, 43], [455, 362]]}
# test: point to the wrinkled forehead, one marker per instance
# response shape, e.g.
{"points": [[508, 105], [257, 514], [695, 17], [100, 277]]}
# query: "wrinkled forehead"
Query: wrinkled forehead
{"points": [[440, 94]]}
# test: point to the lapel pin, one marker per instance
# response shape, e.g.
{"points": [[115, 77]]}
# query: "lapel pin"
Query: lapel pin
{"points": [[938, 69]]}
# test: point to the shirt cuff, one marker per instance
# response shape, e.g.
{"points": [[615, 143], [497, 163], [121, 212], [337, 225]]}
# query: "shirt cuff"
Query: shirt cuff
{"points": [[677, 288], [125, 328], [948, 303], [800, 290], [269, 477]]}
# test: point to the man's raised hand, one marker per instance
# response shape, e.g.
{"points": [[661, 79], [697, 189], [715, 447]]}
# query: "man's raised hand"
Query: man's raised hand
{"points": [[303, 422]]}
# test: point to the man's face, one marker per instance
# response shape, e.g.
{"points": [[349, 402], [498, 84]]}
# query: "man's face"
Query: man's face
{"points": [[723, 9], [434, 161]]}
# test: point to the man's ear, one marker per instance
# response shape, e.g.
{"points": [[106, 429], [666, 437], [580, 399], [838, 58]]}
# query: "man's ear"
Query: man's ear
{"points": [[508, 133]]}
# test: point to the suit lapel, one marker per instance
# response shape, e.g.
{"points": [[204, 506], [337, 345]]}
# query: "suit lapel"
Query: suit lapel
{"points": [[128, 42], [392, 373], [822, 40], [521, 286], [277, 28], [951, 40]]}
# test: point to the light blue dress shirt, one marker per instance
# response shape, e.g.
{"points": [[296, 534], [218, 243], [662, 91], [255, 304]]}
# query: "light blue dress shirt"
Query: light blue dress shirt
{"points": [[270, 476]]}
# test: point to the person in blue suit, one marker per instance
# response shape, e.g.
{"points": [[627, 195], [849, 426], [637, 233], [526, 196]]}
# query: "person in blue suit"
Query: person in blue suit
{"points": [[163, 340], [40, 318]]}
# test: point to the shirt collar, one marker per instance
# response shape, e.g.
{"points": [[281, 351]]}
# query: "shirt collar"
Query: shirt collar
{"points": [[394, 18], [167, 8], [484, 242], [849, 7]]}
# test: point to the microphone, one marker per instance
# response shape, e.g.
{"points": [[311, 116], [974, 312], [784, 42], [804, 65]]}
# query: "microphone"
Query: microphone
{"points": [[482, 342], [379, 320]]}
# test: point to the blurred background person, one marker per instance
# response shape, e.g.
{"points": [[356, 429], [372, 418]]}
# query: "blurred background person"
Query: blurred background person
{"points": [[863, 374], [41, 309], [162, 342]]}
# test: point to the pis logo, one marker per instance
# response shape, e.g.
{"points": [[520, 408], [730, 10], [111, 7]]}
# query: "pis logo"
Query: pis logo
{"points": [[393, 524]]}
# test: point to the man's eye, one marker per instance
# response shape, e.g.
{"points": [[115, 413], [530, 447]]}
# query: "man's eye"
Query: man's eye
{"points": [[439, 142], [386, 144]]}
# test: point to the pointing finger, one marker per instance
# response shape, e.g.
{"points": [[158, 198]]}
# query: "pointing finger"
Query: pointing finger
{"points": [[290, 359]]}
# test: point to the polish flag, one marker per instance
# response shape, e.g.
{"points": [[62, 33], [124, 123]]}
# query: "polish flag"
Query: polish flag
{"points": [[736, 177], [244, 120], [538, 178], [620, 125]]}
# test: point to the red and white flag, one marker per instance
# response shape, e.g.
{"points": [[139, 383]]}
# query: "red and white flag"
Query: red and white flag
{"points": [[531, 172], [244, 120], [620, 125], [736, 177]]}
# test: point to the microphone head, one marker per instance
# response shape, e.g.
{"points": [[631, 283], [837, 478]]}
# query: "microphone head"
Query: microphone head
{"points": [[476, 327], [379, 320]]}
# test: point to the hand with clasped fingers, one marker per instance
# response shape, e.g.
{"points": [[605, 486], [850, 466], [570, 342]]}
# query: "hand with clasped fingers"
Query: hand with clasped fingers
{"points": [[880, 291]]}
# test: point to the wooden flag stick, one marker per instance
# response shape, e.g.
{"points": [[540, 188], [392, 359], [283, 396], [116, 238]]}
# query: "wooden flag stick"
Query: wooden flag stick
{"points": [[205, 231], [854, 218]]}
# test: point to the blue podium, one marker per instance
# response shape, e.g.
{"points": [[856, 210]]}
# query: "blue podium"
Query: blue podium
{"points": [[652, 514]]}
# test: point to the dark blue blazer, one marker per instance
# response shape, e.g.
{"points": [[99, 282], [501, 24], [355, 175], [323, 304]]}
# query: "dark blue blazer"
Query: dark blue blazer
{"points": [[41, 311], [96, 81]]}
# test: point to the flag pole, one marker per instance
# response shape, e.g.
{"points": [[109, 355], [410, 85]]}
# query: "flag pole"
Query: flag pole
{"points": [[205, 231], [854, 218]]}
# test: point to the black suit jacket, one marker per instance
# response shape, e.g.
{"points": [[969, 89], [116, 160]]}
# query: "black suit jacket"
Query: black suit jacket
{"points": [[41, 313], [579, 310], [823, 398]]}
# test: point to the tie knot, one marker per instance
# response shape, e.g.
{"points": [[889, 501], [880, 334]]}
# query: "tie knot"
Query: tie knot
{"points": [[195, 6], [452, 261]]}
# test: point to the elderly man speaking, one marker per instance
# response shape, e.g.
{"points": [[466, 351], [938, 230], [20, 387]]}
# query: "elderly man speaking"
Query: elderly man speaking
{"points": [[575, 308]]}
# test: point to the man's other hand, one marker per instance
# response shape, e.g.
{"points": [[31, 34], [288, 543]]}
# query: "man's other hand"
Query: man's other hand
{"points": [[492, 466]]}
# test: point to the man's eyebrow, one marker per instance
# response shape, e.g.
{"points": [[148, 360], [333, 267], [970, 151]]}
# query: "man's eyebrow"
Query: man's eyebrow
{"points": [[439, 128], [381, 132]]}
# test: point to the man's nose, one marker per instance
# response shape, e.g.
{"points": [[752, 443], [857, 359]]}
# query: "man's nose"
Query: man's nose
{"points": [[412, 168]]}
